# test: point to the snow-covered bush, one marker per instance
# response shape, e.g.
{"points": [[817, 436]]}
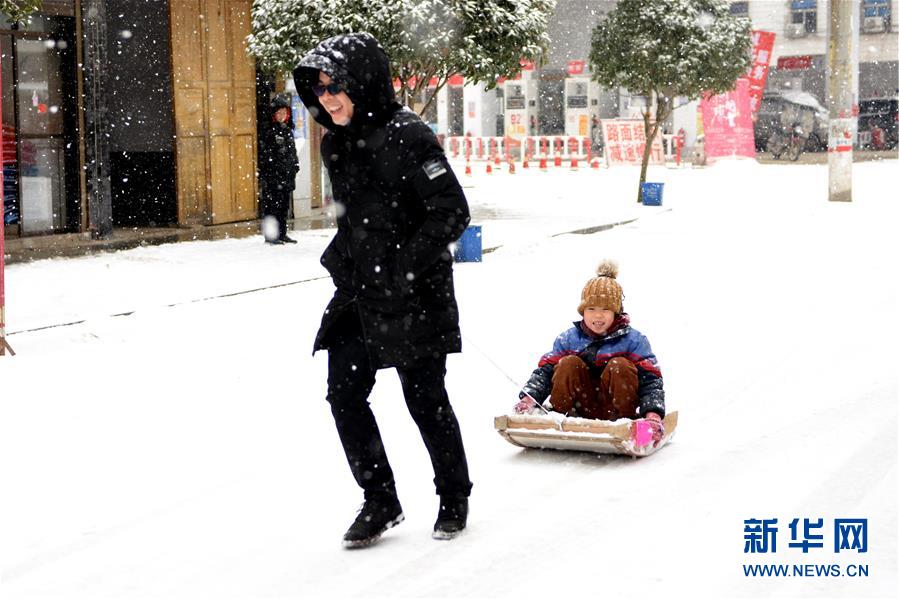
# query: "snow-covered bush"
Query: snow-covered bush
{"points": [[425, 39], [18, 10], [664, 49]]}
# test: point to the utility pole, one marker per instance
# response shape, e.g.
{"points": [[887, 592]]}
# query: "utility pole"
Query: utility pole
{"points": [[840, 98]]}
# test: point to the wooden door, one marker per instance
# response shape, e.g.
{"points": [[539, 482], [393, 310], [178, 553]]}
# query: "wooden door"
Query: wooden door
{"points": [[214, 83]]}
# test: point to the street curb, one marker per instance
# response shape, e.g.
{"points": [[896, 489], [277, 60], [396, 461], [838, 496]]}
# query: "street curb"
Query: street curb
{"points": [[590, 230]]}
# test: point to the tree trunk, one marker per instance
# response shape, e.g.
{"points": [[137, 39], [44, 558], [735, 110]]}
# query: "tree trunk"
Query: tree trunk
{"points": [[433, 97], [649, 133], [663, 109]]}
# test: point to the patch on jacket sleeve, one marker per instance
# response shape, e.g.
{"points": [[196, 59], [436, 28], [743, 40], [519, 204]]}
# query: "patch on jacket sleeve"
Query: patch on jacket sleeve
{"points": [[434, 168]]}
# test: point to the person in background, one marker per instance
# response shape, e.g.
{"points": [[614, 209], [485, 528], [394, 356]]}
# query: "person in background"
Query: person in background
{"points": [[596, 141], [278, 168]]}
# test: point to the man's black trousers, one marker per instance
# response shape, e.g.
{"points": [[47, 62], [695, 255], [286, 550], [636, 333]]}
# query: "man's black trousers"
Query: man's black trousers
{"points": [[277, 203], [350, 380]]}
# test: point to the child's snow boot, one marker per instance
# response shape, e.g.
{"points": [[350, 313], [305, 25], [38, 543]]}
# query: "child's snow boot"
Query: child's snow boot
{"points": [[378, 513], [451, 518]]}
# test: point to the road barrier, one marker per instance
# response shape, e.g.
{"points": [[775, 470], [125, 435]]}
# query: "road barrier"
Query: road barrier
{"points": [[556, 150]]}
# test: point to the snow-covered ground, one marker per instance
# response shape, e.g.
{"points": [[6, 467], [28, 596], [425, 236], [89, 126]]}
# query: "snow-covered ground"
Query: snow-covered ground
{"points": [[174, 441]]}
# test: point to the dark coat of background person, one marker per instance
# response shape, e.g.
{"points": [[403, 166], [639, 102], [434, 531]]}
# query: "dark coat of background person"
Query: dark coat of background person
{"points": [[278, 164], [399, 208]]}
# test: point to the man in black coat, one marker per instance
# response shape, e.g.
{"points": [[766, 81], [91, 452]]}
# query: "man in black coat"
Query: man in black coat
{"points": [[399, 207], [278, 168]]}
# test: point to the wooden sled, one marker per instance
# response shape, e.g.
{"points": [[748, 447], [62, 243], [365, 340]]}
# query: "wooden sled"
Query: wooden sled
{"points": [[578, 434]]}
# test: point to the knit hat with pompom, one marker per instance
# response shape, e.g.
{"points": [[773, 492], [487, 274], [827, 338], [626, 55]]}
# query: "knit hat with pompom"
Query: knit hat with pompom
{"points": [[602, 291]]}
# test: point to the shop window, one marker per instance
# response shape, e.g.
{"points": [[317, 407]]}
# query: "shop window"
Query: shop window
{"points": [[876, 16], [739, 9], [804, 16]]}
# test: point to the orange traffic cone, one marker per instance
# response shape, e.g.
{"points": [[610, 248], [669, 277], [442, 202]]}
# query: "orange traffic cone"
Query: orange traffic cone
{"points": [[489, 168], [511, 168], [468, 168], [574, 164], [557, 161], [543, 163], [524, 164], [594, 163]]}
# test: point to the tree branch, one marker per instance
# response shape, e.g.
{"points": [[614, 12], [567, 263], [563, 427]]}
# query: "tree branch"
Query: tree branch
{"points": [[440, 84]]}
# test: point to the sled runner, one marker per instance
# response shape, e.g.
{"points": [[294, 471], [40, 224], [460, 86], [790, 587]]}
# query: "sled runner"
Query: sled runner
{"points": [[578, 434]]}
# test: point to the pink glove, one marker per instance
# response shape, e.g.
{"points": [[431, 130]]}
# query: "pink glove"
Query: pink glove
{"points": [[649, 429], [525, 405]]}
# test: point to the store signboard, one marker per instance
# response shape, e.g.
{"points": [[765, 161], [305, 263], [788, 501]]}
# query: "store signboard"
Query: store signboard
{"points": [[625, 141]]}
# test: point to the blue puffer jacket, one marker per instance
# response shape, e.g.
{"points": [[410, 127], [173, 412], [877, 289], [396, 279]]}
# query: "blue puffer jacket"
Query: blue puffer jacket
{"points": [[596, 351]]}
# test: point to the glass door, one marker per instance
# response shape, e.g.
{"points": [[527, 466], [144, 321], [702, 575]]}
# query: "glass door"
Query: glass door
{"points": [[38, 126]]}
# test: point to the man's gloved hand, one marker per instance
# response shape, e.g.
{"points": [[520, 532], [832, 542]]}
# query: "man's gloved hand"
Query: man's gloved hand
{"points": [[649, 429]]}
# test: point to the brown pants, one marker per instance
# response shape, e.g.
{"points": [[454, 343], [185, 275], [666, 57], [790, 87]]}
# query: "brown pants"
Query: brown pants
{"points": [[611, 396]]}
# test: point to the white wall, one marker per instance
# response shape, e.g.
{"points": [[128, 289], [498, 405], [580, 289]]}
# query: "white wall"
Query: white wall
{"points": [[769, 15], [684, 117], [443, 110], [302, 193], [480, 111]]}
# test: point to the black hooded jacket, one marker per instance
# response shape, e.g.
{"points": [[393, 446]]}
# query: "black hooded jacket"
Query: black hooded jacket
{"points": [[399, 207], [278, 163]]}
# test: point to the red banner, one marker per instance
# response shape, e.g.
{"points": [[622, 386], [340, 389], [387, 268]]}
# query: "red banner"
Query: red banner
{"points": [[762, 47], [727, 123], [625, 141], [576, 67]]}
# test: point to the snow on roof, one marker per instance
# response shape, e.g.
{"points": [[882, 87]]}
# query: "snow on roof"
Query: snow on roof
{"points": [[804, 99]]}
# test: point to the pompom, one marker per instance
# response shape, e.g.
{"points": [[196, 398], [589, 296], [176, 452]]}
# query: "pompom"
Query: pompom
{"points": [[607, 268]]}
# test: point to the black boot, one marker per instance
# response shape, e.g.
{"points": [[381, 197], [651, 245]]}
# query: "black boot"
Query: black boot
{"points": [[376, 516], [287, 239], [451, 518]]}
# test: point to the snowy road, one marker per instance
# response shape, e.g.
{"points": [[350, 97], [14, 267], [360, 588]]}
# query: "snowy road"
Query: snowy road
{"points": [[175, 441]]}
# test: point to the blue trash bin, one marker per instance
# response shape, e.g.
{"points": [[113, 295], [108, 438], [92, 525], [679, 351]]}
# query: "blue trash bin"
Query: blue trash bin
{"points": [[652, 193], [468, 248]]}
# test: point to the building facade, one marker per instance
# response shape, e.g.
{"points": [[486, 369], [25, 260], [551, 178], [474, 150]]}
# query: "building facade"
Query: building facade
{"points": [[128, 113], [798, 61]]}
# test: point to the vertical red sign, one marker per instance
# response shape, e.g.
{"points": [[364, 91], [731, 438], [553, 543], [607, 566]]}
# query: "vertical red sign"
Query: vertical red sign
{"points": [[762, 47], [727, 121]]}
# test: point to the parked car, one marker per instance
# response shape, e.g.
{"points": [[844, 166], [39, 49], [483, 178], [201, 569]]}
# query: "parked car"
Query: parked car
{"points": [[882, 114]]}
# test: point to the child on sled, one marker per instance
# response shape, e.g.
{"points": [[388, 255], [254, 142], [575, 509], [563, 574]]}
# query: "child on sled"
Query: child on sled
{"points": [[601, 367]]}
